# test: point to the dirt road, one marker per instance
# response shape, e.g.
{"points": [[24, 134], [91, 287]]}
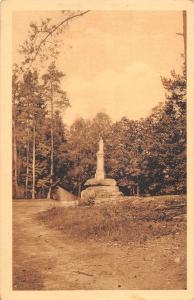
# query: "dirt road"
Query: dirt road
{"points": [[43, 261]]}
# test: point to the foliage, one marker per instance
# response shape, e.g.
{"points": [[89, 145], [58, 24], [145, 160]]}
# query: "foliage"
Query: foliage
{"points": [[31, 109], [147, 156]]}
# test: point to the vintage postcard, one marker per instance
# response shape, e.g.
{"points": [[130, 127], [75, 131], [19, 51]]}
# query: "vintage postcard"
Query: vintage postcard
{"points": [[97, 145]]}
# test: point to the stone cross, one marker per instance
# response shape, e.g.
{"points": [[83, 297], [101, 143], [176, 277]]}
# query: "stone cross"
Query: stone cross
{"points": [[100, 161]]}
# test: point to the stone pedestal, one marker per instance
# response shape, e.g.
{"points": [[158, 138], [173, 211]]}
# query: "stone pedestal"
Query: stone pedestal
{"points": [[100, 192]]}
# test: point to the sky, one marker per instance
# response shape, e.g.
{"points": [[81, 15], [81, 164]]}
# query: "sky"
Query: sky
{"points": [[113, 60]]}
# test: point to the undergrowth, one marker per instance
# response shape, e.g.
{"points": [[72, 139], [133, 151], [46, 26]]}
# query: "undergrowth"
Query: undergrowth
{"points": [[125, 222]]}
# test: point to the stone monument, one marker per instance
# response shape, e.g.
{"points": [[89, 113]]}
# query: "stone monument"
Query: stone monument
{"points": [[100, 188], [100, 161]]}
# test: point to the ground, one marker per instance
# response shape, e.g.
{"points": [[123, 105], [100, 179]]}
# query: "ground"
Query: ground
{"points": [[46, 257]]}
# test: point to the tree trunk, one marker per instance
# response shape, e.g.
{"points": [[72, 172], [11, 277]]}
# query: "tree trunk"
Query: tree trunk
{"points": [[133, 190], [79, 190], [49, 196], [137, 186], [33, 161], [137, 189], [27, 160], [15, 173]]}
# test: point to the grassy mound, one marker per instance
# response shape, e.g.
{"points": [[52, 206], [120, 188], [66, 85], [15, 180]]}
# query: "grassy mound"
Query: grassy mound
{"points": [[129, 221]]}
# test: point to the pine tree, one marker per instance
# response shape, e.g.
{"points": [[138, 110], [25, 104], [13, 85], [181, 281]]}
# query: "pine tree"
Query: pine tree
{"points": [[56, 99]]}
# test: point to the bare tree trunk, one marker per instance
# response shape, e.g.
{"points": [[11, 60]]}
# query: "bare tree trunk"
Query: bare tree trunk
{"points": [[49, 195], [27, 160], [137, 186], [133, 190], [79, 189], [33, 161], [15, 165], [15, 172], [137, 189]]}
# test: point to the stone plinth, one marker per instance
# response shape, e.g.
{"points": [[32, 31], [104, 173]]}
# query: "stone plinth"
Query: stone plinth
{"points": [[101, 191]]}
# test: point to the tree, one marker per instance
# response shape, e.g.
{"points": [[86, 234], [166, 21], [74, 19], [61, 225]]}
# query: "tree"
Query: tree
{"points": [[29, 111], [80, 155], [57, 98], [29, 114], [28, 104], [163, 162], [175, 111], [122, 162], [36, 114]]}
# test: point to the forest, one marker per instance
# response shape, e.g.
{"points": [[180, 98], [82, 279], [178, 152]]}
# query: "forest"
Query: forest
{"points": [[145, 157]]}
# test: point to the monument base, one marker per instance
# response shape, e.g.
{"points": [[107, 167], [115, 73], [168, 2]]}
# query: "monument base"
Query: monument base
{"points": [[101, 191]]}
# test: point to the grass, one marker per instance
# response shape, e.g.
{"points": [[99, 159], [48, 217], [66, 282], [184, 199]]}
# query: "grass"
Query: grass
{"points": [[128, 221]]}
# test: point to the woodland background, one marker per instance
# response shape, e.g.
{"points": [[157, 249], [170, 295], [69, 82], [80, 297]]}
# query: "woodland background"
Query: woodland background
{"points": [[146, 157]]}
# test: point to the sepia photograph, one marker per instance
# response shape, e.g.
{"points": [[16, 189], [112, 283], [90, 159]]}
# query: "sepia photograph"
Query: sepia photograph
{"points": [[99, 150]]}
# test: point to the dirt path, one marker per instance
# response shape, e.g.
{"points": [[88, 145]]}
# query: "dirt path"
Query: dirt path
{"points": [[42, 261]]}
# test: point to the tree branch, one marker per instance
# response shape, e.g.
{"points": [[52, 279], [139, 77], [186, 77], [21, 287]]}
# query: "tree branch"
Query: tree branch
{"points": [[55, 29]]}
